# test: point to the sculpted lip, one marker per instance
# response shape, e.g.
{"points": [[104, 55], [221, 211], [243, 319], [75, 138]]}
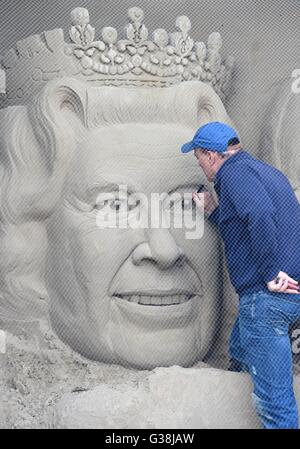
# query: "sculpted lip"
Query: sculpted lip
{"points": [[156, 297]]}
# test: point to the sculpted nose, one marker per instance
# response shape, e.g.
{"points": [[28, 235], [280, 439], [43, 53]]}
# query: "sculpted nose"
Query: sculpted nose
{"points": [[160, 248]]}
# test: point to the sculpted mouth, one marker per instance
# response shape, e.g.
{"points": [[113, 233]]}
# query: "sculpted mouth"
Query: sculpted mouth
{"points": [[156, 298]]}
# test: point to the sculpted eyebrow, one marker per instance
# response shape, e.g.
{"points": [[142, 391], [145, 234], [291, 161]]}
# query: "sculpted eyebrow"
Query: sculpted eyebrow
{"points": [[186, 186], [104, 186]]}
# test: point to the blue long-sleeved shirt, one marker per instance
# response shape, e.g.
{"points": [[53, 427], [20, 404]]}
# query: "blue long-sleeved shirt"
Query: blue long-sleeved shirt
{"points": [[258, 217]]}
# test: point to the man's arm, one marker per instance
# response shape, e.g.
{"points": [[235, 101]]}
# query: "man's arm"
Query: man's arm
{"points": [[253, 205]]}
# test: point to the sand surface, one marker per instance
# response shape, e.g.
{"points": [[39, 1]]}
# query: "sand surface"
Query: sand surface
{"points": [[45, 384]]}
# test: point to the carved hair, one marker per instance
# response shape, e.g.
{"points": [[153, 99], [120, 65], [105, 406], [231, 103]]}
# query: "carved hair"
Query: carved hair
{"points": [[37, 142]]}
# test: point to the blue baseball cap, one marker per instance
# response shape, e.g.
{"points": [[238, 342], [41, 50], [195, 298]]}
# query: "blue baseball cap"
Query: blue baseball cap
{"points": [[212, 136]]}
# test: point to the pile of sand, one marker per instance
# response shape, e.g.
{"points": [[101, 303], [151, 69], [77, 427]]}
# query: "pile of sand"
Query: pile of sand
{"points": [[44, 384]]}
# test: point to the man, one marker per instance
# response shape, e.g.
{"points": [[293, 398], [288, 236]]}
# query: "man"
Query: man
{"points": [[258, 217]]}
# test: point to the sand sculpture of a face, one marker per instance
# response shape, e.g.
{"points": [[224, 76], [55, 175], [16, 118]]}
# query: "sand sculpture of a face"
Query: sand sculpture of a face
{"points": [[141, 297]]}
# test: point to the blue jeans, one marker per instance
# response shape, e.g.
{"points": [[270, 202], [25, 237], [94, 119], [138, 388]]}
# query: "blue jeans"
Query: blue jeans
{"points": [[260, 342]]}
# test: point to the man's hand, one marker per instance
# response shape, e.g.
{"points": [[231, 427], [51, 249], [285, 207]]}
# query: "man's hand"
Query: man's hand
{"points": [[205, 201], [283, 284]]}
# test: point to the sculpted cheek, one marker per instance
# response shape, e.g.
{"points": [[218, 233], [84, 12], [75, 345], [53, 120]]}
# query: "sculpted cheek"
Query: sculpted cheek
{"points": [[97, 253]]}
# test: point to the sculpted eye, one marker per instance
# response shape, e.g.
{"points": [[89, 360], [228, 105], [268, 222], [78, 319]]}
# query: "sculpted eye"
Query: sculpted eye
{"points": [[134, 205], [101, 205], [116, 204], [180, 203]]}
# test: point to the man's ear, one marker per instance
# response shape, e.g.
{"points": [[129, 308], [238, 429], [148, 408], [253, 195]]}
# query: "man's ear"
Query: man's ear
{"points": [[211, 157], [232, 148]]}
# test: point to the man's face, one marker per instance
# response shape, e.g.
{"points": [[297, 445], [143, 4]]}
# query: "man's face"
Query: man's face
{"points": [[205, 162], [140, 297]]}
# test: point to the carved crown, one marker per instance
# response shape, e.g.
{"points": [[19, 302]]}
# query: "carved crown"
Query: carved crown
{"points": [[134, 60]]}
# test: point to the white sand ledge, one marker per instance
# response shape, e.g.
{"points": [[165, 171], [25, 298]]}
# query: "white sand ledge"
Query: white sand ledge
{"points": [[174, 398], [44, 384]]}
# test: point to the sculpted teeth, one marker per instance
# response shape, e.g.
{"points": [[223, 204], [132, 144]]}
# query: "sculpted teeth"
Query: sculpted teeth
{"points": [[145, 300], [156, 300]]}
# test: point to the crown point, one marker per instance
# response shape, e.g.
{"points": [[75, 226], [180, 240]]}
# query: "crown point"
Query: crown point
{"points": [[160, 37], [214, 41], [183, 23], [200, 49], [109, 35], [173, 57], [136, 14], [80, 16]]}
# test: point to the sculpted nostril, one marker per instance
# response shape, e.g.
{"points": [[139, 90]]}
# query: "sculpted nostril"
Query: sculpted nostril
{"points": [[141, 252], [165, 257], [169, 258]]}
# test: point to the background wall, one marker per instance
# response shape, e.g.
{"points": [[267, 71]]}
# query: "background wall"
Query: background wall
{"points": [[262, 35]]}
